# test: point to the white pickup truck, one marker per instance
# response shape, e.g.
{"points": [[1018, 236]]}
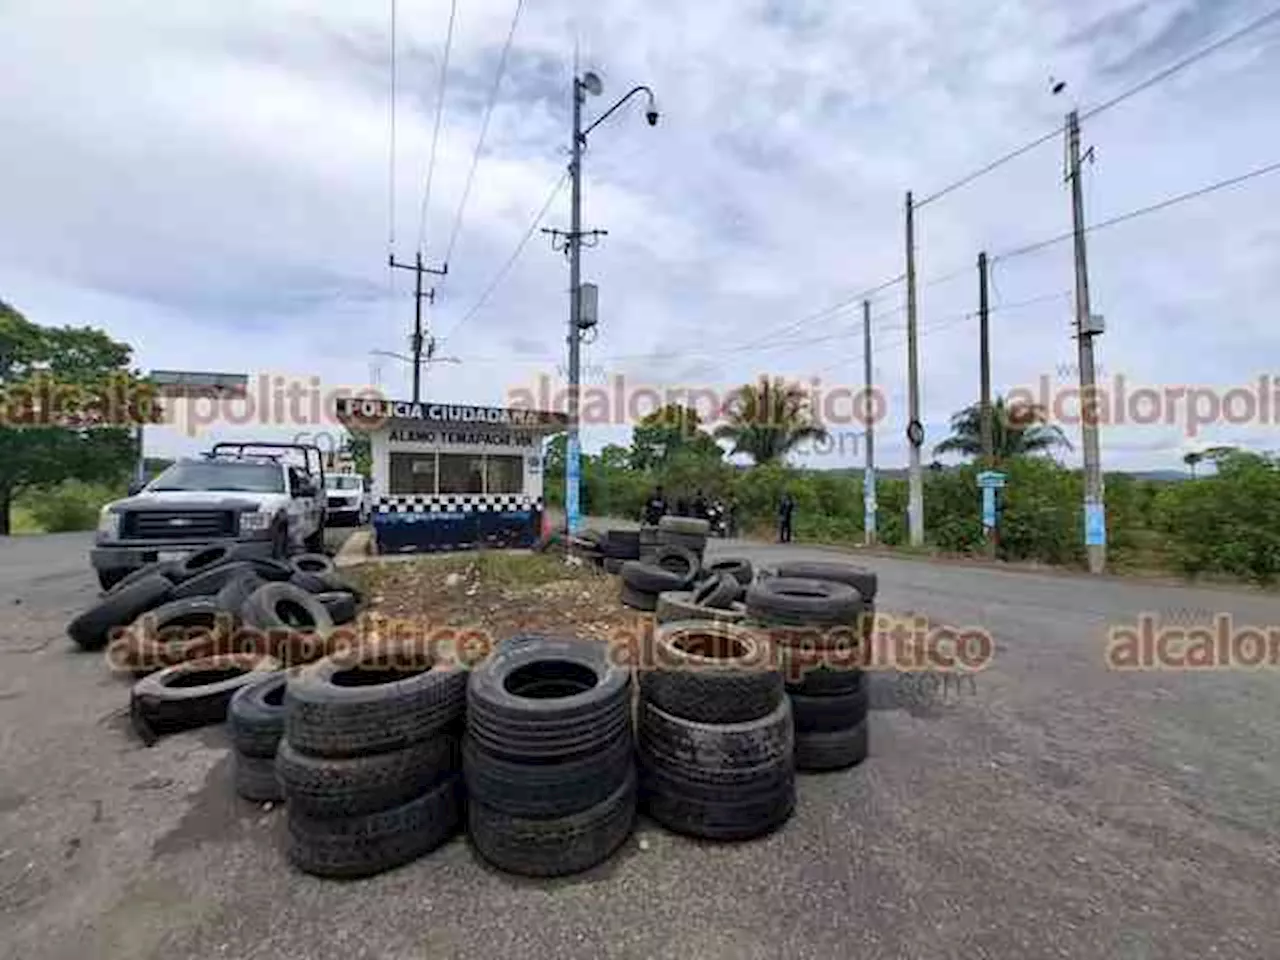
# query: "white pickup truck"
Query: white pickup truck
{"points": [[273, 507], [348, 499]]}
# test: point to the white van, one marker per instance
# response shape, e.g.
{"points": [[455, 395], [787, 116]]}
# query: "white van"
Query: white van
{"points": [[347, 499]]}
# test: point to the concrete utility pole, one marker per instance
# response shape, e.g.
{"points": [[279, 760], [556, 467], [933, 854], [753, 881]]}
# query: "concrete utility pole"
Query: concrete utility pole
{"points": [[869, 476], [984, 395], [915, 429], [418, 296], [588, 83], [1095, 525]]}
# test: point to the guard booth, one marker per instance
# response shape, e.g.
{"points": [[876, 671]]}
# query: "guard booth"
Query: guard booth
{"points": [[451, 476]]}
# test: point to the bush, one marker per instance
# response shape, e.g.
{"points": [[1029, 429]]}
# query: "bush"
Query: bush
{"points": [[71, 505]]}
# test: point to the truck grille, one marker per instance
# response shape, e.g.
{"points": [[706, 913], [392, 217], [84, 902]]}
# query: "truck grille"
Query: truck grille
{"points": [[337, 503], [178, 524]]}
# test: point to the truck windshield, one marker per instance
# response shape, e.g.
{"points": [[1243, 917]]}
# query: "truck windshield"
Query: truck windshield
{"points": [[232, 477], [344, 483]]}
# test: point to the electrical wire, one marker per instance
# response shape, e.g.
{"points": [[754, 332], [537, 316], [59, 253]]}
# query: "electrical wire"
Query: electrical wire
{"points": [[435, 134], [484, 130], [511, 260]]}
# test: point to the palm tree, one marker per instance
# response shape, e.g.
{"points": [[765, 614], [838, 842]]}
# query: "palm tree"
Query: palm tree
{"points": [[1016, 431], [767, 420]]}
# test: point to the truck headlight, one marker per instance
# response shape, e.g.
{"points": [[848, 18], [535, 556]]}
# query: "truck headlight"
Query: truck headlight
{"points": [[109, 524], [254, 521]]}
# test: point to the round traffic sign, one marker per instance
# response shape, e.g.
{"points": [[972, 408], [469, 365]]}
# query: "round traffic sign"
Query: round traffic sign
{"points": [[915, 433]]}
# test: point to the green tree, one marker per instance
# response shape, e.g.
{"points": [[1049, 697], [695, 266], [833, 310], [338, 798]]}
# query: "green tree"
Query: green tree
{"points": [[360, 449], [1016, 430], [64, 393], [667, 431], [769, 419]]}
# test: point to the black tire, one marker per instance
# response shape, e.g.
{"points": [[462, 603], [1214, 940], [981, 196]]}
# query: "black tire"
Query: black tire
{"points": [[271, 570], [315, 542], [833, 712], [362, 846], [547, 700], [235, 592], [814, 674], [353, 786], [638, 599], [736, 567], [648, 536], [649, 578], [372, 699], [340, 604], [178, 631], [255, 716], [831, 750], [255, 778], [719, 592], [555, 846], [712, 673], [861, 579], [206, 558], [195, 693], [683, 563], [208, 583], [613, 565], [167, 569], [92, 629], [648, 553], [787, 601], [719, 781], [695, 543], [109, 578], [621, 544], [678, 605], [689, 526], [312, 563], [283, 606], [323, 582], [546, 789]]}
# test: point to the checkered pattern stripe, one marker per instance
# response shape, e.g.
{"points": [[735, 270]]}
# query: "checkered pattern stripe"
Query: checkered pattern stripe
{"points": [[460, 503]]}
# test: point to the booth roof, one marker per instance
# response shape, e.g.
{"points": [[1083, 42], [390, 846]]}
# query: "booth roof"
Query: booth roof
{"points": [[373, 414]]}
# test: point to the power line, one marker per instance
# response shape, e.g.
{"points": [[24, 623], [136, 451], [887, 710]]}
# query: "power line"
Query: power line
{"points": [[833, 309], [484, 130], [1140, 212], [435, 134], [1105, 105], [511, 260]]}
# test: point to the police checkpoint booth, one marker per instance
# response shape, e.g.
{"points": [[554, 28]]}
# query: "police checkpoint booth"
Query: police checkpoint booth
{"points": [[449, 476]]}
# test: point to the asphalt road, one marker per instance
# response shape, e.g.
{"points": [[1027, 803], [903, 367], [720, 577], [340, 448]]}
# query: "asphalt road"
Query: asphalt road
{"points": [[1058, 809]]}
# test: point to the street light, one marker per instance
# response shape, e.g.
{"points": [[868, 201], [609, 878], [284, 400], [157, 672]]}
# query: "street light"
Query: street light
{"points": [[588, 84]]}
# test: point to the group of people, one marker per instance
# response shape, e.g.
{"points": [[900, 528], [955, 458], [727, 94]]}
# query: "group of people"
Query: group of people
{"points": [[656, 507]]}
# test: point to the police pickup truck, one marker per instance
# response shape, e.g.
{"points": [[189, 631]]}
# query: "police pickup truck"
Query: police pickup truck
{"points": [[245, 492]]}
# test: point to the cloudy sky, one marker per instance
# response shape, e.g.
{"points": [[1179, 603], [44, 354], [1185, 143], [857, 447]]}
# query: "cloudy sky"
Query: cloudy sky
{"points": [[210, 183]]}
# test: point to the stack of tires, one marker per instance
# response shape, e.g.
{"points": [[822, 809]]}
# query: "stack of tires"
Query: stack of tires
{"points": [[369, 760], [619, 546], [688, 532], [716, 745], [815, 626], [256, 723], [673, 569], [548, 756]]}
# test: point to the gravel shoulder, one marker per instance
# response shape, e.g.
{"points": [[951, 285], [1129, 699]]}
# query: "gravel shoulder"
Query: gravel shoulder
{"points": [[1053, 809]]}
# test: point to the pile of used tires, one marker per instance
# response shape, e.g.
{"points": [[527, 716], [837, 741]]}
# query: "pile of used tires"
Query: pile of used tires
{"points": [[819, 618], [688, 532], [369, 765], [617, 547], [715, 733], [218, 601]]}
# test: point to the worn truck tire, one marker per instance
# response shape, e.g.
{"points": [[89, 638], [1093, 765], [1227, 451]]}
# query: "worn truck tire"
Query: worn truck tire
{"points": [[255, 716], [679, 561], [285, 606], [546, 700], [719, 591], [195, 693], [235, 592], [208, 582], [650, 578], [371, 699], [555, 846], [712, 673], [353, 786], [819, 673], [637, 599], [832, 712], [831, 749], [861, 579], [311, 563], [613, 565], [255, 778], [341, 605], [175, 632], [167, 569], [621, 544], [786, 601], [546, 789], [362, 846], [678, 605], [694, 526], [92, 629], [736, 567], [695, 543], [206, 558], [704, 810]]}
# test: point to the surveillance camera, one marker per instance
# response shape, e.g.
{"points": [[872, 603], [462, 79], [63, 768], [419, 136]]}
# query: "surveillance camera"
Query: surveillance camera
{"points": [[652, 117]]}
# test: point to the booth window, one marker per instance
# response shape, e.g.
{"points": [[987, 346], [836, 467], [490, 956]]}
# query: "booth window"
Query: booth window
{"points": [[461, 473], [504, 474], [413, 473]]}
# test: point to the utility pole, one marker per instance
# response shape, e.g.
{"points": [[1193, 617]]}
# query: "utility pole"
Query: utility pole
{"points": [[984, 400], [418, 296], [1095, 523], [915, 429], [869, 476]]}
